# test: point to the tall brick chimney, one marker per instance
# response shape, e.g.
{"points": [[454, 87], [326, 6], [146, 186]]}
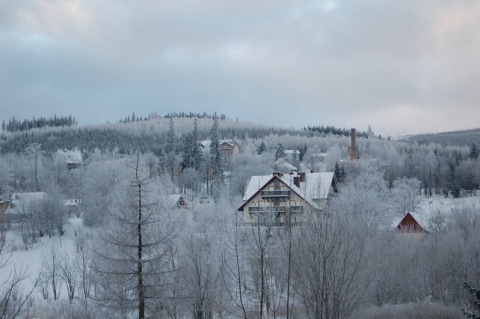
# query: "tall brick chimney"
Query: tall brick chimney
{"points": [[352, 150]]}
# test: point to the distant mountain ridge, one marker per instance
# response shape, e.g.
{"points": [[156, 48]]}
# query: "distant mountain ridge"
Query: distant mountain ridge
{"points": [[463, 137]]}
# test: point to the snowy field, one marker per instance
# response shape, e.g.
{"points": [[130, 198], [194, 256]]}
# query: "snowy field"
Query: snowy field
{"points": [[17, 258], [439, 206]]}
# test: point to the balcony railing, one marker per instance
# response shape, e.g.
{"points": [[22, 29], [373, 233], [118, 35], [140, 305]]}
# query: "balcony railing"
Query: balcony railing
{"points": [[275, 194], [276, 209]]}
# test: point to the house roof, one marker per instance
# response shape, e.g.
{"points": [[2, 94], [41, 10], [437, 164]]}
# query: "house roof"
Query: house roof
{"points": [[421, 220], [315, 186], [71, 156], [172, 200], [20, 202], [288, 152], [206, 143]]}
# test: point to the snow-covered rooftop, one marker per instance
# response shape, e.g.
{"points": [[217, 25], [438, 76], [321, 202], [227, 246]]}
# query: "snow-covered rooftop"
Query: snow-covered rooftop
{"points": [[206, 143], [316, 185], [71, 156], [20, 202], [289, 152]]}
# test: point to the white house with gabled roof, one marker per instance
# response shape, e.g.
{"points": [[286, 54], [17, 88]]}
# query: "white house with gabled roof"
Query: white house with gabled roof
{"points": [[22, 205], [286, 199], [73, 158]]}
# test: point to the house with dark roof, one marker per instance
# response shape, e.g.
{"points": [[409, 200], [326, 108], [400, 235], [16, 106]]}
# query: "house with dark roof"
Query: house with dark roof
{"points": [[285, 200]]}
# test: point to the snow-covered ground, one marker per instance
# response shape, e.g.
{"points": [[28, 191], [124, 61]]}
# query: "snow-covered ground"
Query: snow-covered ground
{"points": [[17, 258], [438, 203], [438, 207]]}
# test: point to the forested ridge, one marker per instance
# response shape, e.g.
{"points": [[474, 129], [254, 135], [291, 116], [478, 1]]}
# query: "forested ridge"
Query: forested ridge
{"points": [[140, 255], [463, 137], [145, 135]]}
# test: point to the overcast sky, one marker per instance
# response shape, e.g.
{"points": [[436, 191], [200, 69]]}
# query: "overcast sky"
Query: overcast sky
{"points": [[401, 66]]}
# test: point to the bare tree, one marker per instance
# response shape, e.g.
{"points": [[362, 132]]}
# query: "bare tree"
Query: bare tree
{"points": [[330, 267], [51, 274], [34, 151], [260, 242], [12, 300], [68, 273], [235, 272], [82, 265], [51, 214]]}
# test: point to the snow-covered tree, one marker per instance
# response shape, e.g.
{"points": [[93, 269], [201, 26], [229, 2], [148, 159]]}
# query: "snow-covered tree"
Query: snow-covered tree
{"points": [[215, 153], [280, 152], [191, 152], [34, 151], [332, 277], [130, 261]]}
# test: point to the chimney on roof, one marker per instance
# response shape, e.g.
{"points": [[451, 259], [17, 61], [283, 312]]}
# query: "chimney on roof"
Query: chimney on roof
{"points": [[277, 174], [302, 177], [296, 181], [352, 150]]}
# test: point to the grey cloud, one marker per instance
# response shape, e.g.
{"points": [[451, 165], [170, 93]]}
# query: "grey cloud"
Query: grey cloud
{"points": [[296, 63]]}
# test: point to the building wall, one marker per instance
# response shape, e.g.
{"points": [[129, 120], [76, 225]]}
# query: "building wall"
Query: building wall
{"points": [[292, 201], [227, 151]]}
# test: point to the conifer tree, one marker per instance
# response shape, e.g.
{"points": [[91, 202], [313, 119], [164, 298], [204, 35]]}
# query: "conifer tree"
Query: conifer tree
{"points": [[187, 160], [191, 151], [474, 151], [339, 173], [196, 154], [131, 258], [215, 153], [280, 153], [261, 148], [170, 147]]}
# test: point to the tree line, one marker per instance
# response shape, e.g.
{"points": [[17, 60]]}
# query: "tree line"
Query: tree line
{"points": [[16, 125], [333, 130]]}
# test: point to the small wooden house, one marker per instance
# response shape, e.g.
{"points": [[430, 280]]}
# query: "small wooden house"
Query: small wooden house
{"points": [[412, 223]]}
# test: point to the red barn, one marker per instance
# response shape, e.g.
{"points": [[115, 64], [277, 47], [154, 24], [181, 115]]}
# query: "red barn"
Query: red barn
{"points": [[412, 223]]}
